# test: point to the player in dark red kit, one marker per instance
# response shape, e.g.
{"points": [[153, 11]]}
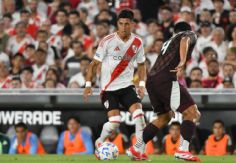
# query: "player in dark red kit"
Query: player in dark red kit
{"points": [[167, 95]]}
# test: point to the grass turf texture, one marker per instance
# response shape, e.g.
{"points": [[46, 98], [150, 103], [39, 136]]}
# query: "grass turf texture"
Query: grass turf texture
{"points": [[92, 159]]}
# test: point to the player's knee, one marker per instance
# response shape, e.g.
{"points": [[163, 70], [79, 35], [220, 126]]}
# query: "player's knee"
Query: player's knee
{"points": [[114, 122]]}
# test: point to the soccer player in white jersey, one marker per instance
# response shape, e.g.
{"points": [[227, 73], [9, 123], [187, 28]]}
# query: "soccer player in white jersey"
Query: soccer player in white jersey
{"points": [[118, 53]]}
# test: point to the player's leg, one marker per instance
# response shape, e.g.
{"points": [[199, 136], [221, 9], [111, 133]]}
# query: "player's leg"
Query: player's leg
{"points": [[138, 118], [151, 130], [190, 114], [111, 104], [188, 126]]}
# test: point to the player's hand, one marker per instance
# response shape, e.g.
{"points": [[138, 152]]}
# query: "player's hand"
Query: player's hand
{"points": [[141, 92], [87, 92], [179, 68]]}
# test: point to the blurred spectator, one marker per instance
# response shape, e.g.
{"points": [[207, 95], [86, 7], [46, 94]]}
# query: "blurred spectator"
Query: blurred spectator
{"points": [[61, 20], [79, 78], [91, 6], [186, 15], [172, 140], [140, 27], [152, 27], [218, 43], [25, 142], [120, 140], [74, 140], [167, 22], [18, 43], [219, 143], [205, 16], [17, 64], [232, 37], [104, 5], [51, 56], [205, 36], [66, 51], [195, 84], [4, 144], [54, 74], [208, 54], [220, 16], [213, 80], [50, 83], [72, 65], [16, 82], [156, 49], [196, 74], [3, 37], [29, 55], [228, 83], [5, 79], [40, 67], [27, 78]]}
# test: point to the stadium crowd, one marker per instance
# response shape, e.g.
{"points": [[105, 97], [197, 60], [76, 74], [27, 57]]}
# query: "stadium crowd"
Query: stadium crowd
{"points": [[77, 139], [50, 43]]}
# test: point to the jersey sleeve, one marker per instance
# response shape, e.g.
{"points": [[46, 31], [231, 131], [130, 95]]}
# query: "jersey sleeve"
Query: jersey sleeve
{"points": [[60, 145], [101, 51], [140, 54], [33, 144]]}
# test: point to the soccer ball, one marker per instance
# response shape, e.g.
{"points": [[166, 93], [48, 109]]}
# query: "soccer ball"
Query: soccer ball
{"points": [[107, 151]]}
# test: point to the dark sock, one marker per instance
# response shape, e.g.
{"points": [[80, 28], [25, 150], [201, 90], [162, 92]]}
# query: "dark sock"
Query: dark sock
{"points": [[187, 130], [149, 132]]}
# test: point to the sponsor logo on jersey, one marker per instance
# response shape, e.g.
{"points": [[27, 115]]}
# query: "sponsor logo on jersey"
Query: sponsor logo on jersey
{"points": [[127, 58], [106, 104], [98, 55], [117, 48]]}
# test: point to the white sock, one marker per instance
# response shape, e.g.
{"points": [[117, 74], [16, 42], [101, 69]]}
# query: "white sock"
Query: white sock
{"points": [[138, 117], [108, 127], [184, 144]]}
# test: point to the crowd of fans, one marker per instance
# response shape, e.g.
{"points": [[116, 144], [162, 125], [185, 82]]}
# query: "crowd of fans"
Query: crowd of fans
{"points": [[77, 139], [50, 43]]}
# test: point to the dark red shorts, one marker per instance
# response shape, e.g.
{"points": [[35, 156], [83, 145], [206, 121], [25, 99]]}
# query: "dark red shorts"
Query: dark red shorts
{"points": [[168, 96]]}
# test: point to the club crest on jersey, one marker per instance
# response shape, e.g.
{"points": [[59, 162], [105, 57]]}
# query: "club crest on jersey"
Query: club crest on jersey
{"points": [[135, 48], [106, 104]]}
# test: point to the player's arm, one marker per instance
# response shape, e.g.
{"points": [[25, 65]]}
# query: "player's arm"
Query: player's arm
{"points": [[90, 73], [183, 51], [13, 146], [87, 143], [142, 78]]}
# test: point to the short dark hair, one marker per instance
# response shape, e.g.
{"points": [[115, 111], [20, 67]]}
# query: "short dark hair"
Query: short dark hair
{"points": [[207, 49], [219, 121], [149, 21], [31, 46], [77, 119], [28, 68], [175, 123], [126, 13], [74, 12], [182, 26], [42, 31], [213, 61], [16, 77], [20, 23], [196, 68], [76, 42], [62, 10], [7, 15], [18, 55], [41, 50], [85, 58], [24, 11], [21, 125]]}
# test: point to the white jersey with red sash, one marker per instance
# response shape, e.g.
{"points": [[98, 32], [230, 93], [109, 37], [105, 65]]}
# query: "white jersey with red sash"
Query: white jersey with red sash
{"points": [[6, 83], [18, 47], [56, 29], [118, 59], [39, 73]]}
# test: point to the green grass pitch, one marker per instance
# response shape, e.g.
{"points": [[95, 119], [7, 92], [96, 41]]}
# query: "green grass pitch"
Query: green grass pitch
{"points": [[92, 159]]}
